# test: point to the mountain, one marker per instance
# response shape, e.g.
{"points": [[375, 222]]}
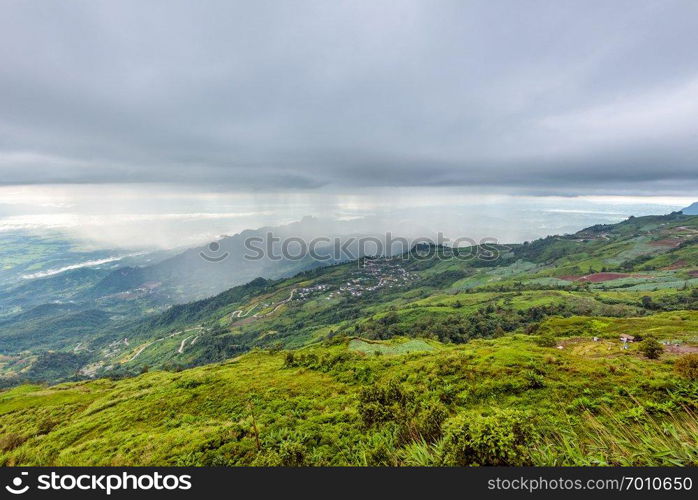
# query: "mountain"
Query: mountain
{"points": [[453, 296], [37, 314], [197, 272], [267, 252], [53, 269], [559, 351], [691, 210]]}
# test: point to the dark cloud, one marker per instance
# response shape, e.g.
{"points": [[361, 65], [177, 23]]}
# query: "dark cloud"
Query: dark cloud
{"points": [[557, 97]]}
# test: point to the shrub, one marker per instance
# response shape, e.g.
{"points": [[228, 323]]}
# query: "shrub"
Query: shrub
{"points": [[427, 424], [188, 384], [292, 454], [384, 403], [450, 365], [447, 394], [546, 341], [190, 459], [46, 426], [535, 380], [687, 366], [502, 438], [274, 348], [651, 348], [267, 458], [380, 452], [289, 360], [10, 441], [584, 403]]}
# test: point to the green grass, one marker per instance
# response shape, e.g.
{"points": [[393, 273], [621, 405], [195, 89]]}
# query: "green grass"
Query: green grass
{"points": [[588, 405], [376, 347], [465, 363]]}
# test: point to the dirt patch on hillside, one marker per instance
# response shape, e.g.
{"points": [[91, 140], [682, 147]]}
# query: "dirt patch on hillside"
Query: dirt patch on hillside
{"points": [[668, 242], [681, 349], [676, 265], [244, 321], [693, 274], [601, 277]]}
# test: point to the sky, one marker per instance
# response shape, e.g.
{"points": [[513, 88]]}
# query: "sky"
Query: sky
{"points": [[284, 101], [559, 97], [142, 217]]}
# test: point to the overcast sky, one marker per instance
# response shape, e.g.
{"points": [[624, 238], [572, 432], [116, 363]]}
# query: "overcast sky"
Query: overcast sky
{"points": [[548, 97]]}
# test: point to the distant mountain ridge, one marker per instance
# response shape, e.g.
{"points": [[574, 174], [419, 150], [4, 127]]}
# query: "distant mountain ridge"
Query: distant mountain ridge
{"points": [[298, 304], [385, 352], [692, 209], [208, 270], [151, 283]]}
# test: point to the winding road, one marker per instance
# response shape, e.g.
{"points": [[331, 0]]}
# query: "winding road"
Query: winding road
{"points": [[181, 347]]}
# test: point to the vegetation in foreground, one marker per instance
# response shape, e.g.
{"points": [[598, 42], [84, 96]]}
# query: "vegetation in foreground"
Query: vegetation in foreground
{"points": [[511, 400]]}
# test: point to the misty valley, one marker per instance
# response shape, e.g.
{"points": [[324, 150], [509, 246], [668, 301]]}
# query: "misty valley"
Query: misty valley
{"points": [[402, 351]]}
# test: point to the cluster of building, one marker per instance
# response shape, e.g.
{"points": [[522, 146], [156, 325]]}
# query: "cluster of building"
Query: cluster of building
{"points": [[374, 275], [304, 293]]}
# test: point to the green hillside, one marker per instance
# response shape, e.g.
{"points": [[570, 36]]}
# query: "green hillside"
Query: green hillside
{"points": [[510, 400], [490, 355], [653, 262], [602, 270]]}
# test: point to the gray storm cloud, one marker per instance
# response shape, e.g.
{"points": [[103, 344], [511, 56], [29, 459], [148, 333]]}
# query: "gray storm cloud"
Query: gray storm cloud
{"points": [[550, 96]]}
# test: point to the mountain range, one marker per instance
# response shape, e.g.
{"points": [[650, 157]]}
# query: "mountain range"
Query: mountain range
{"points": [[692, 209], [576, 349], [383, 297]]}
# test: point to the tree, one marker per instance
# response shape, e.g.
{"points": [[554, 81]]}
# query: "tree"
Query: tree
{"points": [[651, 348], [647, 302]]}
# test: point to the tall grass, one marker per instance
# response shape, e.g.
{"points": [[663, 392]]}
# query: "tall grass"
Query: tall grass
{"points": [[609, 439]]}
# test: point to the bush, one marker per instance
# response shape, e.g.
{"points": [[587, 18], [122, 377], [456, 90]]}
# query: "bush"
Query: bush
{"points": [[503, 438], [46, 426], [534, 380], [546, 341], [383, 403], [10, 441], [584, 403], [428, 422], [292, 454], [188, 384], [447, 394], [289, 360], [651, 348], [687, 366]]}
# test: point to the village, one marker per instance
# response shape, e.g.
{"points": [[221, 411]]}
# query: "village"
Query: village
{"points": [[374, 275]]}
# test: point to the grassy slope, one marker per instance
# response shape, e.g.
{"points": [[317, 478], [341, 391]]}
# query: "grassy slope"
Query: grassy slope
{"points": [[432, 293], [535, 267], [590, 402], [208, 415]]}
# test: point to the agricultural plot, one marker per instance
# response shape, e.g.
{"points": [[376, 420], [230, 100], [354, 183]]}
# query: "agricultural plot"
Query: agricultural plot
{"points": [[391, 348]]}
